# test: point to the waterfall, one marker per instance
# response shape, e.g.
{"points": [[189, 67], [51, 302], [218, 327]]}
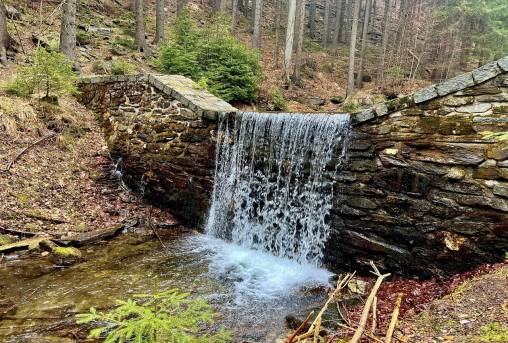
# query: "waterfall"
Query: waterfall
{"points": [[273, 186]]}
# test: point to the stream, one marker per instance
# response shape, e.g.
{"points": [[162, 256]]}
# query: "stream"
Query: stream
{"points": [[251, 290]]}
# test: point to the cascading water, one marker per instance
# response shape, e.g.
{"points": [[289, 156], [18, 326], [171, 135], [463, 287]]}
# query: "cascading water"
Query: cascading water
{"points": [[274, 179]]}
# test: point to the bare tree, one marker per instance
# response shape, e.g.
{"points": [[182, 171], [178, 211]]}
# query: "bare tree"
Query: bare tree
{"points": [[68, 29], [312, 18], [234, 15], [4, 36], [180, 5], [365, 31], [256, 38], [352, 49], [339, 16], [290, 30], [326, 29], [299, 42], [278, 8], [386, 27], [140, 25], [159, 21]]}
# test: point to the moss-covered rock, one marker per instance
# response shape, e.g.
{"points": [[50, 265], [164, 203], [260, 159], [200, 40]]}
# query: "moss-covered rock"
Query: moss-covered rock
{"points": [[65, 256]]}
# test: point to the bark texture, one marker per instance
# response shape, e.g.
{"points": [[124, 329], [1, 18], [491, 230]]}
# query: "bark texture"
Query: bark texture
{"points": [[68, 29], [352, 49], [159, 21], [140, 24]]}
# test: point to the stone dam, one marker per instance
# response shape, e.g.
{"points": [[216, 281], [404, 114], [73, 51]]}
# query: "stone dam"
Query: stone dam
{"points": [[422, 191]]}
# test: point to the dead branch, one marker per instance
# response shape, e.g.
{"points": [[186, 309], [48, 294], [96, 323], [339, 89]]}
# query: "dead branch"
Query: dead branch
{"points": [[374, 316], [299, 328], [366, 309], [371, 336], [150, 225], [315, 327], [18, 156], [393, 321]]}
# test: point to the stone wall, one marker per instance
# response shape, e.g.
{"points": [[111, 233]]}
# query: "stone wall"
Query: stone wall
{"points": [[423, 191], [162, 128]]}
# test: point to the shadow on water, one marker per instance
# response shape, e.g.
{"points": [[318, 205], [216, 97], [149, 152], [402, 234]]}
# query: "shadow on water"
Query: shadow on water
{"points": [[252, 291]]}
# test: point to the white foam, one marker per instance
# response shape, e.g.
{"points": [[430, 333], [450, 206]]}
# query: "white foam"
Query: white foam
{"points": [[255, 275]]}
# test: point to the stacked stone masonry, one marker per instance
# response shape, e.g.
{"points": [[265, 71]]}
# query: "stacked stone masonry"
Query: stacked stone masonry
{"points": [[423, 193], [161, 129]]}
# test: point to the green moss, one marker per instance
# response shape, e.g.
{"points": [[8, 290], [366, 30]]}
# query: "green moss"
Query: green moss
{"points": [[493, 332], [5, 240], [66, 251]]}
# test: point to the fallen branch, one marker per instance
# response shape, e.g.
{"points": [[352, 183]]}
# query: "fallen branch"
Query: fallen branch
{"points": [[18, 156], [372, 337], [18, 232], [299, 328], [393, 322], [366, 309], [374, 316]]}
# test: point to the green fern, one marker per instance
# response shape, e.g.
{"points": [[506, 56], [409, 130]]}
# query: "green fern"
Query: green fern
{"points": [[167, 316]]}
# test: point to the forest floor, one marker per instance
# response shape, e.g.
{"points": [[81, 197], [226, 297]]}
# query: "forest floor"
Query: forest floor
{"points": [[63, 185]]}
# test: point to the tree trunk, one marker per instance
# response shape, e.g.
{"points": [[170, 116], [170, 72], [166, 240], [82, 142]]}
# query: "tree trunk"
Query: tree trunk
{"points": [[299, 42], [352, 48], [159, 21], [326, 29], [222, 5], [68, 30], [256, 37], [338, 25], [368, 6], [180, 5], [140, 25], [386, 27], [312, 18], [4, 36], [290, 29], [278, 9], [234, 15]]}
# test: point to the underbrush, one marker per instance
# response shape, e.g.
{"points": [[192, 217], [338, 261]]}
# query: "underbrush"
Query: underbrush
{"points": [[212, 55]]}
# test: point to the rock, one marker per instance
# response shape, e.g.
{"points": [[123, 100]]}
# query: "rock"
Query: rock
{"points": [[337, 99], [503, 63], [458, 100], [498, 152], [501, 191], [12, 12], [425, 94], [362, 203], [486, 72], [456, 173], [103, 31], [357, 286], [312, 101], [488, 164], [365, 115], [118, 50], [476, 108], [456, 84], [65, 256], [493, 98]]}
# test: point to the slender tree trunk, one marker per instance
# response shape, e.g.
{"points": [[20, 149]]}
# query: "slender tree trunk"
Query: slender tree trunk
{"points": [[326, 29], [347, 14], [140, 25], [258, 11], [299, 42], [159, 21], [338, 24], [312, 18], [290, 30], [234, 15], [68, 29], [4, 36], [386, 27], [297, 22], [278, 8], [368, 7], [180, 5], [352, 49], [222, 5]]}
